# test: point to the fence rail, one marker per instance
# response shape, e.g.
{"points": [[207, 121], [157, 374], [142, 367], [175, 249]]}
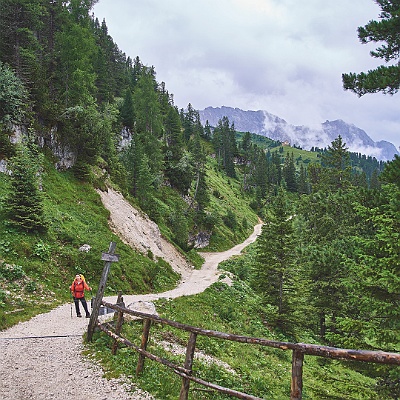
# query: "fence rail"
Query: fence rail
{"points": [[299, 350]]}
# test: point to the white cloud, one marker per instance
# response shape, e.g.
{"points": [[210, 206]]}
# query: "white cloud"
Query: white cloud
{"points": [[283, 56]]}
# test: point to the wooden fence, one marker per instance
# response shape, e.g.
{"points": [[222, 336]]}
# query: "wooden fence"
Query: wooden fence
{"points": [[299, 350]]}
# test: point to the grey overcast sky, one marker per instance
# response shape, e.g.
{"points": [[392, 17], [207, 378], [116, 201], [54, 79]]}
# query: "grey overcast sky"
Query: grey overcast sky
{"points": [[282, 56]]}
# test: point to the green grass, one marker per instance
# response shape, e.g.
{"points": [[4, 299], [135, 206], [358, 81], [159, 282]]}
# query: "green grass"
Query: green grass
{"points": [[300, 156], [260, 371], [227, 195], [49, 261], [76, 216]]}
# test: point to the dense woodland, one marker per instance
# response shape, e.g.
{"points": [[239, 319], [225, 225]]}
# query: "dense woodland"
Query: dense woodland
{"points": [[328, 259]]}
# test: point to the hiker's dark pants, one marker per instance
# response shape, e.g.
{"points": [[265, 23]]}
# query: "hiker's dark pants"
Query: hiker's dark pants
{"points": [[84, 304]]}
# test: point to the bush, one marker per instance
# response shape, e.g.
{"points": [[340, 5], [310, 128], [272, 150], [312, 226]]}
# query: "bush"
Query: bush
{"points": [[31, 287], [11, 272], [230, 220], [42, 250]]}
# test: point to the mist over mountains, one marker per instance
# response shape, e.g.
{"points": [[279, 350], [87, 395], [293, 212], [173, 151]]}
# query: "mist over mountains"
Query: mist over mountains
{"points": [[263, 123]]}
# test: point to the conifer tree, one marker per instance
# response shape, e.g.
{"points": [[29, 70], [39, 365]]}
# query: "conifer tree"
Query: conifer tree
{"points": [[391, 173], [207, 131], [379, 273], [131, 158], [24, 204], [303, 185], [127, 113], [274, 272], [199, 161], [260, 176], [224, 142], [178, 168], [385, 78], [13, 97], [289, 173], [336, 172], [148, 120]]}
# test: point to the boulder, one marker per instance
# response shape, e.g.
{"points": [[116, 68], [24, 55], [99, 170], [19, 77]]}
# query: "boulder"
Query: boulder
{"points": [[146, 307]]}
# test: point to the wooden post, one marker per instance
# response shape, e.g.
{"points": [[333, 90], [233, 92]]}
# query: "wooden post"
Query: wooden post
{"points": [[143, 345], [188, 365], [118, 326], [108, 258], [296, 387]]}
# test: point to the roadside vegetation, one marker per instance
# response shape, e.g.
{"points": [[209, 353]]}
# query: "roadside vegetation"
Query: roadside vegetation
{"points": [[74, 119], [260, 371]]}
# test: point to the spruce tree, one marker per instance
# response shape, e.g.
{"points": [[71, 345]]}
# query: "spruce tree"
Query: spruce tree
{"points": [[336, 166], [24, 205], [274, 271], [127, 114], [289, 173]]}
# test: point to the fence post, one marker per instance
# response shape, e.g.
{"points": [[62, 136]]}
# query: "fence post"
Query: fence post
{"points": [[188, 365], [108, 258], [143, 345], [296, 387], [118, 326]]}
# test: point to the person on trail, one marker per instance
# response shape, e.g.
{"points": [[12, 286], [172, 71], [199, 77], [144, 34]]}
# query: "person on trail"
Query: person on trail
{"points": [[78, 288]]}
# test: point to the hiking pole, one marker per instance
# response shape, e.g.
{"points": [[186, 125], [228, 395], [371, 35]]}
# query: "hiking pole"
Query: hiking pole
{"points": [[91, 300], [71, 303]]}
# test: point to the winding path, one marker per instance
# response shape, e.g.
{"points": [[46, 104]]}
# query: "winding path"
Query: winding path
{"points": [[41, 358]]}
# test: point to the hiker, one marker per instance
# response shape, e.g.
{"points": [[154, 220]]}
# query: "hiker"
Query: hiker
{"points": [[78, 288]]}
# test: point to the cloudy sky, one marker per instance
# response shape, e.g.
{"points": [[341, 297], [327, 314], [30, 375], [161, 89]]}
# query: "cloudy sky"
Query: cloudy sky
{"points": [[282, 56]]}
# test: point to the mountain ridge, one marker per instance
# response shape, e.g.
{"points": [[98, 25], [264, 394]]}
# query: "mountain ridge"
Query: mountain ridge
{"points": [[263, 123]]}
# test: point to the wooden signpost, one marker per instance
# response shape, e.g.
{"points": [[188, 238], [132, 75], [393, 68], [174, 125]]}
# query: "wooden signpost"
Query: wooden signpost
{"points": [[108, 258]]}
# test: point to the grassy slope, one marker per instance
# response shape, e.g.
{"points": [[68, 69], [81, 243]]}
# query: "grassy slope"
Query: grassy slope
{"points": [[36, 270], [260, 371], [49, 262], [226, 194]]}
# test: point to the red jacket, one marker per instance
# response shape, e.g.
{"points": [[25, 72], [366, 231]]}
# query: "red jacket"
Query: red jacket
{"points": [[78, 289]]}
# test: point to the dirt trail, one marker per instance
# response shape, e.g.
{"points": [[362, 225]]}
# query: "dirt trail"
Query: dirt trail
{"points": [[47, 363]]}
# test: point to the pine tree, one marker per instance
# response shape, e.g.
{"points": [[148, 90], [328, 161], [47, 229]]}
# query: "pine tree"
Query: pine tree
{"points": [[199, 162], [127, 113], [148, 120], [260, 175], [178, 163], [13, 97], [303, 186], [225, 146], [274, 272], [391, 173], [384, 78], [289, 173], [336, 166], [207, 131], [24, 204]]}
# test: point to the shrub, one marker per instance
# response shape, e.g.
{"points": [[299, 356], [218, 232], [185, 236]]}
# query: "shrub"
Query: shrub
{"points": [[11, 272]]}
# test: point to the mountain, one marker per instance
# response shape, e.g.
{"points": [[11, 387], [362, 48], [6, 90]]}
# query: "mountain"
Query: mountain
{"points": [[269, 125]]}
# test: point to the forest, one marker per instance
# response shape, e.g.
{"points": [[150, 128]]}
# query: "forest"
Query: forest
{"points": [[328, 259]]}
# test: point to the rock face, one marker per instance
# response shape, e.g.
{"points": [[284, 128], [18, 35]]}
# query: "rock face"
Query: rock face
{"points": [[265, 124]]}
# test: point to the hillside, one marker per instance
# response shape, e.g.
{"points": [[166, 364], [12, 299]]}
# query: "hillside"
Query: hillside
{"points": [[87, 132], [48, 340]]}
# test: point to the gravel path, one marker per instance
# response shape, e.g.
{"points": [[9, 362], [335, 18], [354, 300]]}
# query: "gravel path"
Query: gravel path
{"points": [[41, 358]]}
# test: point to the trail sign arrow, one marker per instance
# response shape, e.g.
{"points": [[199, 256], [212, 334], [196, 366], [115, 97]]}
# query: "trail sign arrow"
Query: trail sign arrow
{"points": [[109, 257]]}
